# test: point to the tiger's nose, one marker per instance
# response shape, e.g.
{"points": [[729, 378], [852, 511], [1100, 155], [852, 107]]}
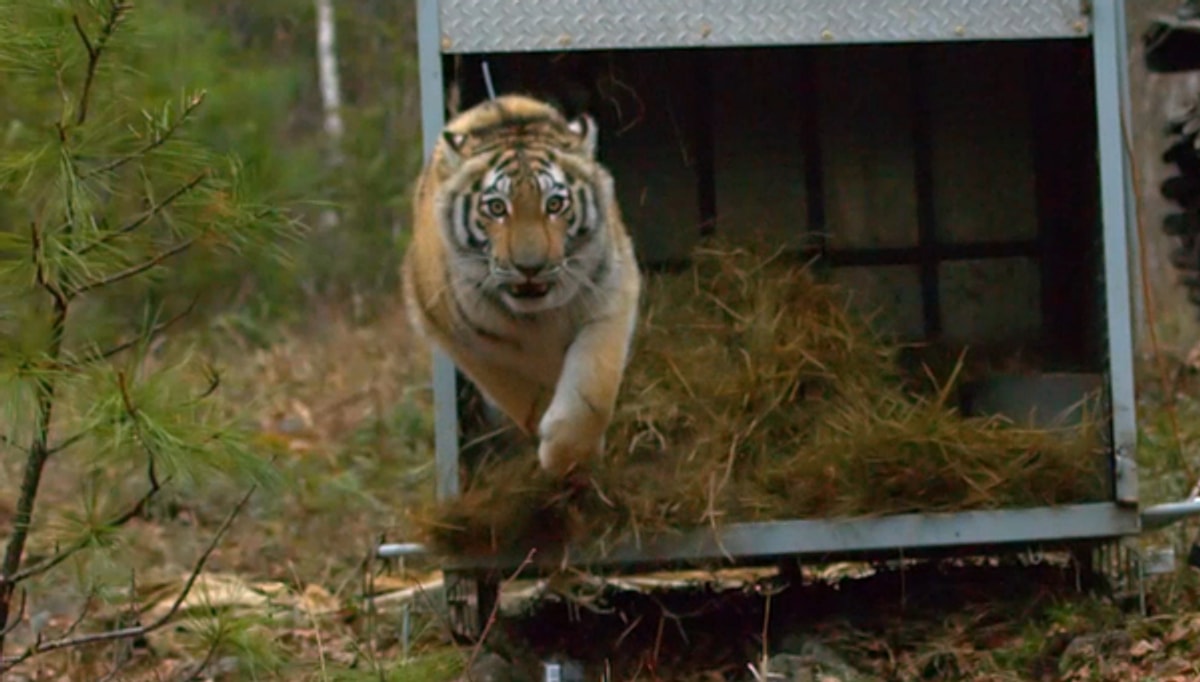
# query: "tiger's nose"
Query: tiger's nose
{"points": [[530, 269]]}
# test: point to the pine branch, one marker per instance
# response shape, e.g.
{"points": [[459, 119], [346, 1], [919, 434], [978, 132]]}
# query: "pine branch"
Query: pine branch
{"points": [[160, 138], [41, 647], [41, 268], [133, 270], [147, 215], [122, 347], [68, 442], [134, 511], [214, 382], [133, 413], [39, 449], [117, 10]]}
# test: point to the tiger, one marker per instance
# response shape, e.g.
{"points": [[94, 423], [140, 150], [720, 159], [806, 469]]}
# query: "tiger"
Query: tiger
{"points": [[521, 270]]}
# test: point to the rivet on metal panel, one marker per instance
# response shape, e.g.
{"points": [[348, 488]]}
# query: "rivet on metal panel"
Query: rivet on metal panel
{"points": [[706, 30], [1080, 26], [447, 43], [826, 35], [565, 40], [960, 31]]}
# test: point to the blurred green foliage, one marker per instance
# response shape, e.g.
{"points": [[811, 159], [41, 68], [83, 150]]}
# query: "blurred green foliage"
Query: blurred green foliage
{"points": [[157, 163], [256, 60]]}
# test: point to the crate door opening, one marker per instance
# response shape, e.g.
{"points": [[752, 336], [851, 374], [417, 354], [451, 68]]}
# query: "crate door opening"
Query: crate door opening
{"points": [[960, 189], [952, 189], [961, 194]]}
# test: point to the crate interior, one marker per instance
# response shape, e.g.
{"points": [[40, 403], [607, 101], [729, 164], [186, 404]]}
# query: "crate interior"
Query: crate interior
{"points": [[953, 188]]}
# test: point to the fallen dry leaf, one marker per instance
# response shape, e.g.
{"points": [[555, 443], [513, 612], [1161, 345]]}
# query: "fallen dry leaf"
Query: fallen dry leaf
{"points": [[1183, 629], [384, 584], [316, 600], [1144, 647]]}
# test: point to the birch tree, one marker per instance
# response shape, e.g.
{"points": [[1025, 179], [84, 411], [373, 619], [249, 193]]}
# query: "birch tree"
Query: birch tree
{"points": [[331, 94]]}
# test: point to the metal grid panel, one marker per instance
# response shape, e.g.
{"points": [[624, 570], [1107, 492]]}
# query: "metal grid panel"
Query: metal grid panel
{"points": [[541, 25]]}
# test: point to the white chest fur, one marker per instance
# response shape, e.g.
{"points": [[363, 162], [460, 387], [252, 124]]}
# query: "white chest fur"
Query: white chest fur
{"points": [[532, 347]]}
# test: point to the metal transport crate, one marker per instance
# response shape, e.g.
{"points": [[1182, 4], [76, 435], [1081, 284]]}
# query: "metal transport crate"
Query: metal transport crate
{"points": [[961, 161]]}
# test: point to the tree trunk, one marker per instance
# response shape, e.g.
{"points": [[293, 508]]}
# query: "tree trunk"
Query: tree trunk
{"points": [[1155, 98], [331, 95]]}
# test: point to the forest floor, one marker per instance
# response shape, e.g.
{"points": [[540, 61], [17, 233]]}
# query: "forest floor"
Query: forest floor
{"points": [[289, 593]]}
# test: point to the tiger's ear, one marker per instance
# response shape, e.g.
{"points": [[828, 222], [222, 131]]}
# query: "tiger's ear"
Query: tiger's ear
{"points": [[454, 145], [585, 128]]}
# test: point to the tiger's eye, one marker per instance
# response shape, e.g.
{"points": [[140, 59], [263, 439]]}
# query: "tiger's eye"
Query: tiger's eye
{"points": [[554, 204], [496, 208]]}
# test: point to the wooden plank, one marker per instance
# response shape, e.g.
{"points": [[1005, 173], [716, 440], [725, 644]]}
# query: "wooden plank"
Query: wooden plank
{"points": [[991, 302], [889, 296], [867, 159], [982, 143], [1064, 123], [758, 144], [650, 119]]}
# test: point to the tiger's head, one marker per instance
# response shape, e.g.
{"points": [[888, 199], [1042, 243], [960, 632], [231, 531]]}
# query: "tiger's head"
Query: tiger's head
{"points": [[523, 203]]}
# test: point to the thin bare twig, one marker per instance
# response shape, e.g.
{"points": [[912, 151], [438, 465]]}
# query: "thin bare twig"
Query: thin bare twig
{"points": [[5, 629], [197, 673], [373, 612], [133, 270], [146, 215], [120, 658], [42, 647], [316, 626], [9, 442], [123, 651], [491, 620], [83, 613]]}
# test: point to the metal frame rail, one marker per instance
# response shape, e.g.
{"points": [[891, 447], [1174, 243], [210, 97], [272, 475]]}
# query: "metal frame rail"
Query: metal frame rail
{"points": [[482, 26]]}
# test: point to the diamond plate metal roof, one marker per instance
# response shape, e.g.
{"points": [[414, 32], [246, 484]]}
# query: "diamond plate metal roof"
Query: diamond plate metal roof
{"points": [[542, 25]]}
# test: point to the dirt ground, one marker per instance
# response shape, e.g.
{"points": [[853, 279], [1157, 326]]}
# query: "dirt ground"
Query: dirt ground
{"points": [[344, 411], [949, 620]]}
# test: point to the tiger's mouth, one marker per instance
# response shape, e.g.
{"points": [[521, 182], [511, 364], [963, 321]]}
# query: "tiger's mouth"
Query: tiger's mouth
{"points": [[527, 290]]}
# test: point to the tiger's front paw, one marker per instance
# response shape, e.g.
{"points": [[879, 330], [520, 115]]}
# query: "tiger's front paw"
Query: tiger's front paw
{"points": [[568, 443]]}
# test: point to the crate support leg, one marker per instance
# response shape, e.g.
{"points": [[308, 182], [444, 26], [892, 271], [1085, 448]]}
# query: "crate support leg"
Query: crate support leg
{"points": [[470, 600]]}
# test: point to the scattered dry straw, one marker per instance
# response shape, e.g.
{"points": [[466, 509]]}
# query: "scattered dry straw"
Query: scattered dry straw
{"points": [[752, 394]]}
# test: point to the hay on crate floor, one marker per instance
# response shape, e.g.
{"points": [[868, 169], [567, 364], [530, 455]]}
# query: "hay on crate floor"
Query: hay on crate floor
{"points": [[752, 394]]}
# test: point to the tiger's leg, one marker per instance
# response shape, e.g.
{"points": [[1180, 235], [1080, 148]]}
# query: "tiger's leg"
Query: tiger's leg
{"points": [[572, 429], [518, 397]]}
